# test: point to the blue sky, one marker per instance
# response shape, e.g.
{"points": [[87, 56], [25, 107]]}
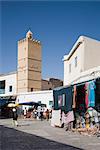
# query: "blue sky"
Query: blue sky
{"points": [[56, 24]]}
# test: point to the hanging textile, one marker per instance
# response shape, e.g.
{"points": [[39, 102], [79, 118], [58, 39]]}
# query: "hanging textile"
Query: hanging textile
{"points": [[91, 97], [74, 97], [86, 94], [60, 100], [69, 98], [69, 117], [80, 103], [63, 98], [97, 95]]}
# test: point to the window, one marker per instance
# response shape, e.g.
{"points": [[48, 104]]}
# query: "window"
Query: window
{"points": [[31, 89], [76, 61], [50, 103], [10, 88], [2, 87], [69, 68]]}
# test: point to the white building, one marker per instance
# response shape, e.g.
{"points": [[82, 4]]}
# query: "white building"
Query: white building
{"points": [[8, 88], [27, 77], [83, 61], [8, 84], [42, 97]]}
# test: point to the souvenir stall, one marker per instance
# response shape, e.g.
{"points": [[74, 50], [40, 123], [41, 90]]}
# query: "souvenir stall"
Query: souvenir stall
{"points": [[63, 97], [97, 95], [78, 106], [86, 106]]}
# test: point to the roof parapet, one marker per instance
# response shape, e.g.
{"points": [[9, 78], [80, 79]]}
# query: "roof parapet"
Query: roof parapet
{"points": [[74, 48], [29, 36]]}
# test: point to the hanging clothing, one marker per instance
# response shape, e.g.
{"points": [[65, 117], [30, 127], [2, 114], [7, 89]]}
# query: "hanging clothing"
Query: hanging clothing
{"points": [[63, 98], [86, 94], [97, 95], [60, 99], [69, 98], [91, 97], [80, 103], [69, 117], [74, 97]]}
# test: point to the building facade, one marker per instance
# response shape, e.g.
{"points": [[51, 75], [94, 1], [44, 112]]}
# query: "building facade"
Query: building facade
{"points": [[26, 83], [41, 97], [29, 64], [27, 78], [84, 56], [8, 84]]}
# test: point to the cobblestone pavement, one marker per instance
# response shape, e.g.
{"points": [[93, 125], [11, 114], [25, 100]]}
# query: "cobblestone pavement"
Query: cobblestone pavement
{"points": [[39, 135]]}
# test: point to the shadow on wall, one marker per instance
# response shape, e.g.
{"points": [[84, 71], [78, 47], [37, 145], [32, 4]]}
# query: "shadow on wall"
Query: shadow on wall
{"points": [[12, 139]]}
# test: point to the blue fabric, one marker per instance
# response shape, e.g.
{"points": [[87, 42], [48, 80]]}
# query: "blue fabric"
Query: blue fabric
{"points": [[58, 99], [3, 102], [92, 87]]}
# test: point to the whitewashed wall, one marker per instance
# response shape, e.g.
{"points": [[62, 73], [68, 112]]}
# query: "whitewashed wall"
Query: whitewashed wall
{"points": [[91, 53], [88, 75], [43, 96], [88, 57], [75, 71], [10, 80]]}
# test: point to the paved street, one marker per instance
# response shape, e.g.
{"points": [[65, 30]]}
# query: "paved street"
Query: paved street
{"points": [[37, 135]]}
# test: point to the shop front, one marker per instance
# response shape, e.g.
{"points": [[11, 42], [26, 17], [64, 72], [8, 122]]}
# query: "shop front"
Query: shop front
{"points": [[79, 104]]}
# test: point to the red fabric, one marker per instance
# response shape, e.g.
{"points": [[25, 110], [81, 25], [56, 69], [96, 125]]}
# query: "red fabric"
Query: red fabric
{"points": [[74, 97], [86, 94]]}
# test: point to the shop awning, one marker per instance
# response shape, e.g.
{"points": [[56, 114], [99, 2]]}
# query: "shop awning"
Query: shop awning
{"points": [[32, 104], [29, 103]]}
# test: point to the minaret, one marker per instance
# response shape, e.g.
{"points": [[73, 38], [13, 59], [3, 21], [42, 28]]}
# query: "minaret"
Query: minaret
{"points": [[29, 64]]}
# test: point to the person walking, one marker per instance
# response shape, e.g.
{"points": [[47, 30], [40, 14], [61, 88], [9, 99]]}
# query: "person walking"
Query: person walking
{"points": [[35, 113], [15, 117], [41, 114], [25, 113], [47, 114]]}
